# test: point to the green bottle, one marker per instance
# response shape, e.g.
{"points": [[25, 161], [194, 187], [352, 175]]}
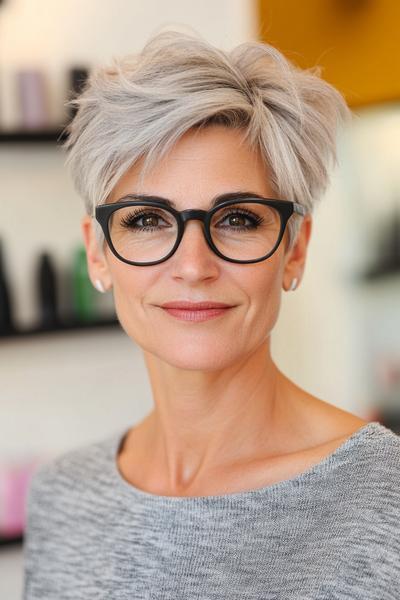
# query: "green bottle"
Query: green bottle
{"points": [[84, 302]]}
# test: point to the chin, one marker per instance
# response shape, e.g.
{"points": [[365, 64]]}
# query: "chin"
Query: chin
{"points": [[194, 357], [187, 364]]}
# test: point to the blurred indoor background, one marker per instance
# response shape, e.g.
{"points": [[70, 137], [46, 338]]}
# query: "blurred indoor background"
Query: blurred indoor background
{"points": [[69, 375]]}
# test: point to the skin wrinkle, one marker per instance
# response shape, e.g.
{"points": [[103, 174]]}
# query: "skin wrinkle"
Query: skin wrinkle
{"points": [[220, 402]]}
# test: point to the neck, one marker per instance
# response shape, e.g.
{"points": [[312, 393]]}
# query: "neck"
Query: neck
{"points": [[205, 422]]}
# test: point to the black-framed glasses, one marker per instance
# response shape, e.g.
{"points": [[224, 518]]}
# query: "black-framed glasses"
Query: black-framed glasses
{"points": [[144, 232]]}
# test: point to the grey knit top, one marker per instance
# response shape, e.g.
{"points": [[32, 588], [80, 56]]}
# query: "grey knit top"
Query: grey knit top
{"points": [[331, 532]]}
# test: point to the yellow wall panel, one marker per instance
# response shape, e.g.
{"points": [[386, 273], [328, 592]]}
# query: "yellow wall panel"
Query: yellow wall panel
{"points": [[356, 42]]}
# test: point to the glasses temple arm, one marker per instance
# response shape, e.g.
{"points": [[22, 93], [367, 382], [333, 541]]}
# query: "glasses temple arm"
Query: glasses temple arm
{"points": [[299, 208]]}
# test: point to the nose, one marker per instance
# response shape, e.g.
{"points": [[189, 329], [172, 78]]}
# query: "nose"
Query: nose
{"points": [[193, 242], [194, 258]]}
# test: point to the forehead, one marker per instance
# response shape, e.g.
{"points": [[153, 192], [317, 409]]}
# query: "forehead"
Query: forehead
{"points": [[202, 164]]}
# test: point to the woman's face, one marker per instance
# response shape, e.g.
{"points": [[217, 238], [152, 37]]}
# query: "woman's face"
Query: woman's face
{"points": [[202, 164]]}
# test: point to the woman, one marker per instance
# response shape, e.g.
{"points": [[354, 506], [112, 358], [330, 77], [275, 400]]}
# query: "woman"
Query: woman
{"points": [[200, 170]]}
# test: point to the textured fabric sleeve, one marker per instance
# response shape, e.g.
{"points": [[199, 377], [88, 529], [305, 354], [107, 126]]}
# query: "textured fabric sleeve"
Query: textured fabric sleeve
{"points": [[388, 563], [38, 504]]}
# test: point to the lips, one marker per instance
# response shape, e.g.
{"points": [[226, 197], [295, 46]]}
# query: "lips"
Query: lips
{"points": [[183, 305]]}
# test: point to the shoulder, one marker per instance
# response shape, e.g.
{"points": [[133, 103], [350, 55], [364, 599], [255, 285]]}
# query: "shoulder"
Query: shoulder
{"points": [[68, 500], [380, 469], [67, 496], [375, 479], [369, 449], [383, 451], [366, 476], [377, 452], [70, 475]]}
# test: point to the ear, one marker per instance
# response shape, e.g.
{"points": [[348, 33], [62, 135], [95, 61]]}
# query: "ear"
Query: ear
{"points": [[295, 259], [96, 260]]}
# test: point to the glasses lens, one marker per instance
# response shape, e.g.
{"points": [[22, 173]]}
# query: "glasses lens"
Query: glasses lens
{"points": [[246, 230], [143, 233]]}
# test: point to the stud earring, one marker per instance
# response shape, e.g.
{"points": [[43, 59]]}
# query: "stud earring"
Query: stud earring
{"points": [[293, 285], [99, 286]]}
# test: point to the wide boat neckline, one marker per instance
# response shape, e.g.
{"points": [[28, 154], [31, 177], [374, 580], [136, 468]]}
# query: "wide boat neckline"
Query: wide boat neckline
{"points": [[273, 490]]}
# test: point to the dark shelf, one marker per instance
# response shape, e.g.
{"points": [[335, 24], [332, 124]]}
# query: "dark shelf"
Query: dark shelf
{"points": [[9, 542], [45, 136], [65, 326]]}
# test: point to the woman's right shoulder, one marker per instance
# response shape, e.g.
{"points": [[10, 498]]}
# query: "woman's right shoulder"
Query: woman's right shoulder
{"points": [[63, 495], [71, 472]]}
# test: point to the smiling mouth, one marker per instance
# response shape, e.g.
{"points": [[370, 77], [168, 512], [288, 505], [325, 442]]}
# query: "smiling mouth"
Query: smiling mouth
{"points": [[199, 314], [190, 305]]}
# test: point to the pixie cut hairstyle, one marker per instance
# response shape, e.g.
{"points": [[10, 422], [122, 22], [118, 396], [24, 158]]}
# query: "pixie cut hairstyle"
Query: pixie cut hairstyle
{"points": [[141, 104]]}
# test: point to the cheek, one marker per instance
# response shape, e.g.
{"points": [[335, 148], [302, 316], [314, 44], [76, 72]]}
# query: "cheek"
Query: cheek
{"points": [[263, 287], [265, 277], [130, 287]]}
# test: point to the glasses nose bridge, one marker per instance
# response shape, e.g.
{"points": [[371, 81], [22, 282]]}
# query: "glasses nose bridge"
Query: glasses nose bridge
{"points": [[193, 213]]}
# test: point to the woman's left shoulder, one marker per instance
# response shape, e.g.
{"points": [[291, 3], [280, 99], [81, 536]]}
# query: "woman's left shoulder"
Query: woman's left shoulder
{"points": [[387, 447], [384, 442], [378, 461]]}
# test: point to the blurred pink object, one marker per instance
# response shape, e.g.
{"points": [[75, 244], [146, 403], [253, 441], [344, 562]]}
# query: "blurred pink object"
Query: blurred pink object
{"points": [[33, 99], [14, 484]]}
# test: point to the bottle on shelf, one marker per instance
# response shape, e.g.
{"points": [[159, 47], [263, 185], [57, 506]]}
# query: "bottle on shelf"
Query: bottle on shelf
{"points": [[47, 292], [7, 324], [33, 99], [84, 300]]}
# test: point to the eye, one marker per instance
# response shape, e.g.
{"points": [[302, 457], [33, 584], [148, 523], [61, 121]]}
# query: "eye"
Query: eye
{"points": [[150, 220], [237, 218]]}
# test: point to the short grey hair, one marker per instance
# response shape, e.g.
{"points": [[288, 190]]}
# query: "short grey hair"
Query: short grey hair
{"points": [[141, 104]]}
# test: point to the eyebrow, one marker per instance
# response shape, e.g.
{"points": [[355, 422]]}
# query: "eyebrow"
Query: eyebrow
{"points": [[240, 195]]}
